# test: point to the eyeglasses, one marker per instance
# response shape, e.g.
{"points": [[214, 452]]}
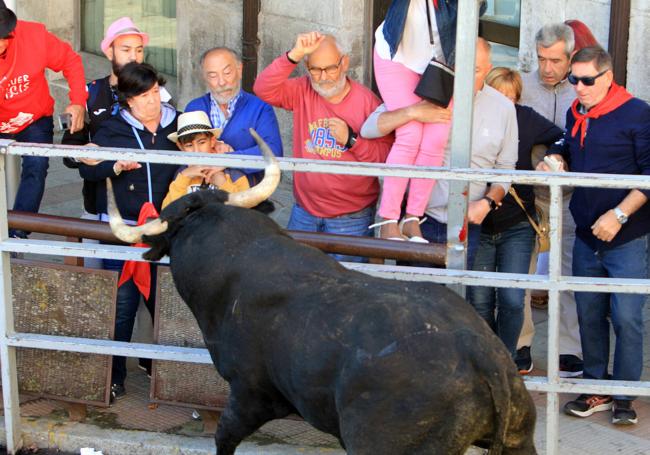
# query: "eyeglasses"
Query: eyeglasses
{"points": [[330, 70], [586, 80], [9, 36]]}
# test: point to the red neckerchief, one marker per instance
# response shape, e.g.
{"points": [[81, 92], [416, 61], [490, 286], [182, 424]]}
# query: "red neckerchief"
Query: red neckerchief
{"points": [[615, 98], [140, 271], [435, 4]]}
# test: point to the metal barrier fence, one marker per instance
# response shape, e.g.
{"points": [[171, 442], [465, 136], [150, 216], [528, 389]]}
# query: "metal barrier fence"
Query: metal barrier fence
{"points": [[554, 283]]}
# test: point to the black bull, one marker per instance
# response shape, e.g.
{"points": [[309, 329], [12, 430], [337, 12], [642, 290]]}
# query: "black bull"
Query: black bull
{"points": [[387, 366]]}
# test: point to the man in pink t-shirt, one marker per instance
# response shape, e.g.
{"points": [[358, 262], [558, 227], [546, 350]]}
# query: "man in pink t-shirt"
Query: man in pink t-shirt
{"points": [[328, 112]]}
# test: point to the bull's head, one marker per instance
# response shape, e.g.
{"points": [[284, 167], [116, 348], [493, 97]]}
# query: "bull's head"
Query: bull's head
{"points": [[247, 199]]}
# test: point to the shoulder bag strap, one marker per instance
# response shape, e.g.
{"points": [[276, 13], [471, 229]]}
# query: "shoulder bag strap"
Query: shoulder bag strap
{"points": [[137, 136], [426, 2], [516, 197]]}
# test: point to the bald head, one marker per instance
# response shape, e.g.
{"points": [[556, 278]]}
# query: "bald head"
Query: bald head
{"points": [[328, 66], [483, 63]]}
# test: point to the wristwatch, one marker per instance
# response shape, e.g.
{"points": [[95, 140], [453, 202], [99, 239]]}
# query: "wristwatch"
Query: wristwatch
{"points": [[492, 202], [620, 216], [352, 138]]}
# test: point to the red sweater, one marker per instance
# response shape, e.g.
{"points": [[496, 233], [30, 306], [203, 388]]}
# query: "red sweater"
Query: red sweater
{"points": [[24, 92], [325, 195]]}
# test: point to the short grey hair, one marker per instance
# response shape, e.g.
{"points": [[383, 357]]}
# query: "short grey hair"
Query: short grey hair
{"points": [[229, 50], [550, 34]]}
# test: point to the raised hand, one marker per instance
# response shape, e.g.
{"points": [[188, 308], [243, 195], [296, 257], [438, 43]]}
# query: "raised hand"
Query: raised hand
{"points": [[306, 43]]}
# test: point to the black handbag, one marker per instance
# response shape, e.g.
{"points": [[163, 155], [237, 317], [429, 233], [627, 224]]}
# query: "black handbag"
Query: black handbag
{"points": [[437, 82]]}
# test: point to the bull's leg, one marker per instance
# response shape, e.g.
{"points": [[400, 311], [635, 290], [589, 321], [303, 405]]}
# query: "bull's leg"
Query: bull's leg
{"points": [[243, 415]]}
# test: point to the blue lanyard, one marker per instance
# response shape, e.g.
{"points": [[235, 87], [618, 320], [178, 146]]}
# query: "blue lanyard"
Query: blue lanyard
{"points": [[137, 136]]}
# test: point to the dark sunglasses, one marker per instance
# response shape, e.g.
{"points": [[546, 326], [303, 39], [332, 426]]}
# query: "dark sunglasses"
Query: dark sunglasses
{"points": [[9, 36], [586, 80]]}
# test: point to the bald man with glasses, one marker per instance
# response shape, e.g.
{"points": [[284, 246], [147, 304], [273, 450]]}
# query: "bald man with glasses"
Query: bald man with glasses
{"points": [[607, 131], [328, 111]]}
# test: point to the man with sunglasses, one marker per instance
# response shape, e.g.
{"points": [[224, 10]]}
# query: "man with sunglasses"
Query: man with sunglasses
{"points": [[27, 49], [328, 111], [548, 92], [607, 131]]}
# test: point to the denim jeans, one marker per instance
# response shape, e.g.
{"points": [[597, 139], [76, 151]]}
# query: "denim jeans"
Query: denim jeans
{"points": [[351, 224], [436, 232], [34, 168], [624, 261], [126, 307], [509, 252]]}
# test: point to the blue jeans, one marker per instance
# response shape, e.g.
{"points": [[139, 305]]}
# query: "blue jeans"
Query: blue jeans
{"points": [[126, 307], [351, 224], [624, 261], [436, 232], [34, 168], [508, 252]]}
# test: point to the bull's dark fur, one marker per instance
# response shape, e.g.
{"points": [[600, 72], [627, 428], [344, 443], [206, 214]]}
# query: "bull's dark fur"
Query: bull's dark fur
{"points": [[388, 367]]}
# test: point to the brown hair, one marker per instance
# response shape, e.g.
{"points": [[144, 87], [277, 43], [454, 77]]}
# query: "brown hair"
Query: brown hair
{"points": [[596, 54], [501, 76]]}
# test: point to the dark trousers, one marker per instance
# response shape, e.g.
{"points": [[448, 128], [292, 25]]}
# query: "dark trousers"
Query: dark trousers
{"points": [[127, 302], [34, 168]]}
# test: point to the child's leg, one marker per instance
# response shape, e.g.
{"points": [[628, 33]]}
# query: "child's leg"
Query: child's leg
{"points": [[431, 153], [396, 84]]}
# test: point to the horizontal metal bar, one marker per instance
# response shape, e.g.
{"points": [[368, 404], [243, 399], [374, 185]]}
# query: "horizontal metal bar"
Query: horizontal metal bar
{"points": [[572, 179], [436, 275], [109, 347], [578, 386], [503, 280], [201, 355]]}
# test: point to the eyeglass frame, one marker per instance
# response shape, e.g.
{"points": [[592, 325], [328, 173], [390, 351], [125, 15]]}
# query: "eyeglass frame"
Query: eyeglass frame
{"points": [[588, 81], [330, 70]]}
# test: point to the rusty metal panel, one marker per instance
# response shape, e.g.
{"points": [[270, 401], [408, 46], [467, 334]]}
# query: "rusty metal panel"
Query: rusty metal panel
{"points": [[56, 299], [181, 383]]}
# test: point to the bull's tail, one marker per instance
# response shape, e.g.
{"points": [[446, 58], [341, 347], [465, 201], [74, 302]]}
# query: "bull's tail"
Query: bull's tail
{"points": [[500, 391], [501, 397]]}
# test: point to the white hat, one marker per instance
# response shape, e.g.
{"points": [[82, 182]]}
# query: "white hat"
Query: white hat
{"points": [[191, 123]]}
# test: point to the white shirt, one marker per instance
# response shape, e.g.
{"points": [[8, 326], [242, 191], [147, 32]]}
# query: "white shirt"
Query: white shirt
{"points": [[495, 142], [415, 51]]}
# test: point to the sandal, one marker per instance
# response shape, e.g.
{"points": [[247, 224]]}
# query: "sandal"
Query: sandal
{"points": [[415, 238], [383, 223]]}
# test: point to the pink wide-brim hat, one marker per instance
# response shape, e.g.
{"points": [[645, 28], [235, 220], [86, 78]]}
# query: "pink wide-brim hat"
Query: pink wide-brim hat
{"points": [[122, 26]]}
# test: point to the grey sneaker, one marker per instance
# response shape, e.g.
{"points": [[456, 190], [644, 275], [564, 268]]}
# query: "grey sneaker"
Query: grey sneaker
{"points": [[623, 413]]}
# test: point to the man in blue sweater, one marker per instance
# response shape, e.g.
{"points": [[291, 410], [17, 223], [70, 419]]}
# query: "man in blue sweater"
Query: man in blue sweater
{"points": [[607, 131], [233, 110]]}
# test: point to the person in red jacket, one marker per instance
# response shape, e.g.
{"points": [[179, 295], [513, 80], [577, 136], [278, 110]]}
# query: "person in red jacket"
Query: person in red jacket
{"points": [[26, 106]]}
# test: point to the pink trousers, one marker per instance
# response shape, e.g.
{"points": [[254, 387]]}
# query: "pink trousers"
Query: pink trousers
{"points": [[422, 144]]}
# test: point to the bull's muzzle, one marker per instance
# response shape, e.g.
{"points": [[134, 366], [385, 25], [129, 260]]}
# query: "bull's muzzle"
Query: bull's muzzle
{"points": [[247, 199]]}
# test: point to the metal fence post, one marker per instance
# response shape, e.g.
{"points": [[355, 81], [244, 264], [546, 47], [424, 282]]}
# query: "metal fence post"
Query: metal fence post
{"points": [[553, 353], [461, 136], [7, 353]]}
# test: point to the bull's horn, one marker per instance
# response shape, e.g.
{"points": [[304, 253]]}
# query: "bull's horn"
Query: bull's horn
{"points": [[264, 189], [124, 232]]}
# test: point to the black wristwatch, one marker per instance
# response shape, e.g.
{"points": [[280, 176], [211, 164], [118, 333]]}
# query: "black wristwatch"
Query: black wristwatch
{"points": [[492, 202], [352, 138]]}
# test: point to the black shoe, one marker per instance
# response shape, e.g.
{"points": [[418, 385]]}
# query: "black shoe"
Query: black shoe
{"points": [[585, 405], [117, 391], [145, 365], [523, 360], [17, 234], [623, 413], [570, 366]]}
